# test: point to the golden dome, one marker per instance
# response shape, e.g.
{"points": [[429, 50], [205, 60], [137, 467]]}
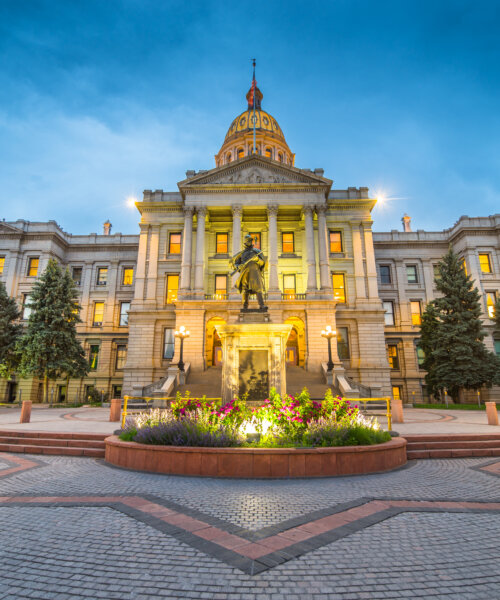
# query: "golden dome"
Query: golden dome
{"points": [[263, 122]]}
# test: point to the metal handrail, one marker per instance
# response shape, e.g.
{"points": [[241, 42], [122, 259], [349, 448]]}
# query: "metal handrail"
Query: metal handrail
{"points": [[387, 401]]}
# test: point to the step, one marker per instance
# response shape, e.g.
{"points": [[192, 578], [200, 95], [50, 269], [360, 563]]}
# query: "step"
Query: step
{"points": [[452, 437], [52, 435], [53, 442], [452, 445], [58, 451], [453, 453]]}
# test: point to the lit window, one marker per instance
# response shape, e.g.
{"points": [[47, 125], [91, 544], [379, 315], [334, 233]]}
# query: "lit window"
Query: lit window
{"points": [[396, 392], [98, 314], [343, 343], [128, 276], [385, 274], [26, 312], [169, 344], [392, 356], [221, 286], [338, 282], [124, 308], [172, 288], [221, 243], [289, 286], [2, 264], [485, 263], [121, 356], [94, 357], [280, 157], [228, 157], [33, 266], [102, 275], [335, 242], [76, 274], [463, 265], [389, 312], [411, 273], [420, 355], [174, 243], [240, 152], [287, 243], [269, 152], [491, 298], [416, 312], [256, 239]]}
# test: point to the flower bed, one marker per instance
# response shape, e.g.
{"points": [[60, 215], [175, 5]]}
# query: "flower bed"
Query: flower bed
{"points": [[286, 437]]}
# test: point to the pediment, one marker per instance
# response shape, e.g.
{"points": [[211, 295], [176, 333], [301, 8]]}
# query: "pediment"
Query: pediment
{"points": [[254, 170], [5, 228]]}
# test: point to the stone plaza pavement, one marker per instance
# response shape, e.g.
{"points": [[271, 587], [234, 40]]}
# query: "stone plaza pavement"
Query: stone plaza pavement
{"points": [[77, 528]]}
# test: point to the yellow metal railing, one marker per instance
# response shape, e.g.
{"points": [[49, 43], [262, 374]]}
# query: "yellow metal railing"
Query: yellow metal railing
{"points": [[148, 399], [387, 401]]}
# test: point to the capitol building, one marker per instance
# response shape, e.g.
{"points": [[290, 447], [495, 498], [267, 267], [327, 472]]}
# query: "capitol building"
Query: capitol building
{"points": [[325, 266]]}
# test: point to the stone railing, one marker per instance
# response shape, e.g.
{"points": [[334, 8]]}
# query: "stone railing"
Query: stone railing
{"points": [[293, 296]]}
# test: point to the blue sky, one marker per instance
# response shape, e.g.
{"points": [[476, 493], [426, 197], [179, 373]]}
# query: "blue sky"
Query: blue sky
{"points": [[100, 100]]}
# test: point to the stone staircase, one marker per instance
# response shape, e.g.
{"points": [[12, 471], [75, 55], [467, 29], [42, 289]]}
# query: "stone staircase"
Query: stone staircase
{"points": [[452, 445], [60, 444], [298, 378]]}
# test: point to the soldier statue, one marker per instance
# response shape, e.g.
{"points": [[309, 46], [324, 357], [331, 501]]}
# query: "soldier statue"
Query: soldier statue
{"points": [[249, 263]]}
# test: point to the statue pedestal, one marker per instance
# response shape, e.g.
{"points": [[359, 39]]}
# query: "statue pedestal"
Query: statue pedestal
{"points": [[253, 359]]}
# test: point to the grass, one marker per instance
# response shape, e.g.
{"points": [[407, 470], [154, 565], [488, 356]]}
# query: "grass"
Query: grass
{"points": [[452, 406]]}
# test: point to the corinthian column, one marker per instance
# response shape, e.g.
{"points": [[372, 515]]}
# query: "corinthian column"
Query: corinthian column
{"points": [[274, 288], [200, 250], [237, 212], [311, 256], [324, 262], [187, 241]]}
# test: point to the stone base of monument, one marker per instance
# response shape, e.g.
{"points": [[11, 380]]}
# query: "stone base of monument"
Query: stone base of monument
{"points": [[253, 357]]}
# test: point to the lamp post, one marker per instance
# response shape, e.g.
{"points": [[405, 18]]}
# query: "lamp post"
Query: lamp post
{"points": [[181, 334], [328, 333]]}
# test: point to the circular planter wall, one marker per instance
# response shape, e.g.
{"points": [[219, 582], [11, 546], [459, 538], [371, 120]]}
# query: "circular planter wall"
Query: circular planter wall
{"points": [[256, 462]]}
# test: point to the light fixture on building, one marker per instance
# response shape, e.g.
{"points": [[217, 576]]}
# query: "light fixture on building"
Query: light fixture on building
{"points": [[329, 333], [181, 334]]}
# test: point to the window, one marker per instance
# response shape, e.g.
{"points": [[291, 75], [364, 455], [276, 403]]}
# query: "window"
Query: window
{"points": [[172, 288], [289, 285], [102, 275], [26, 311], [463, 264], [392, 356], [491, 298], [280, 157], [221, 243], [228, 157], [221, 286], [117, 391], [269, 152], [435, 269], [240, 153], [94, 357], [287, 243], [396, 392], [121, 356], [343, 343], [98, 314], [124, 308], [411, 273], [420, 355], [389, 312], [174, 243], [385, 274], [485, 263], [76, 274], [33, 266], [416, 312], [338, 282], [335, 242], [168, 344], [256, 239], [128, 276], [2, 264], [497, 346]]}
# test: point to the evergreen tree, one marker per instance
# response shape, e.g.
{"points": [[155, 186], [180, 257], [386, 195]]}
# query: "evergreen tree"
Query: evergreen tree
{"points": [[49, 348], [452, 334], [10, 330]]}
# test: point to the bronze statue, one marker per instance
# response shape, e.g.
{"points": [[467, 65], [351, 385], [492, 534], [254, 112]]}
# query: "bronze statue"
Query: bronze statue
{"points": [[249, 263]]}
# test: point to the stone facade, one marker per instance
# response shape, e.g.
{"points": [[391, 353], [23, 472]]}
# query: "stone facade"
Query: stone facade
{"points": [[324, 266]]}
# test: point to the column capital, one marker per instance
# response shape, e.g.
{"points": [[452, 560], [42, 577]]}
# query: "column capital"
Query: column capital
{"points": [[308, 210], [237, 210], [321, 208], [188, 210], [272, 209], [201, 211]]}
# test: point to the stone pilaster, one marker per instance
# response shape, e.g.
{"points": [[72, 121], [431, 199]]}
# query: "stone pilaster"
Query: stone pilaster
{"points": [[200, 251], [154, 243], [371, 269], [237, 213], [359, 271], [310, 252], [187, 250], [323, 251], [140, 277], [274, 289]]}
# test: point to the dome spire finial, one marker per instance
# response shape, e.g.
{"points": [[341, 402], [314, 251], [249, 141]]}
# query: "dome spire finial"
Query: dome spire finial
{"points": [[254, 95]]}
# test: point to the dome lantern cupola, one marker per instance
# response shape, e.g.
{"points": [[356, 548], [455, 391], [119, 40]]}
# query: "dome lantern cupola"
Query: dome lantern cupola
{"points": [[269, 139]]}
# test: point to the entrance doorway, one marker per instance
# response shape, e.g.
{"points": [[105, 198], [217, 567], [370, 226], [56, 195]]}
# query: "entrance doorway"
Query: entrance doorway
{"points": [[213, 344], [292, 349], [11, 391]]}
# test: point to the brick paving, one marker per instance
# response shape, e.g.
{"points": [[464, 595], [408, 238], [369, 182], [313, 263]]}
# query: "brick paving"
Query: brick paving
{"points": [[77, 528]]}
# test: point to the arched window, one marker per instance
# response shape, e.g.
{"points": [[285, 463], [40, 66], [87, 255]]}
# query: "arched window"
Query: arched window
{"points": [[240, 152], [269, 152], [280, 156], [228, 157]]}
